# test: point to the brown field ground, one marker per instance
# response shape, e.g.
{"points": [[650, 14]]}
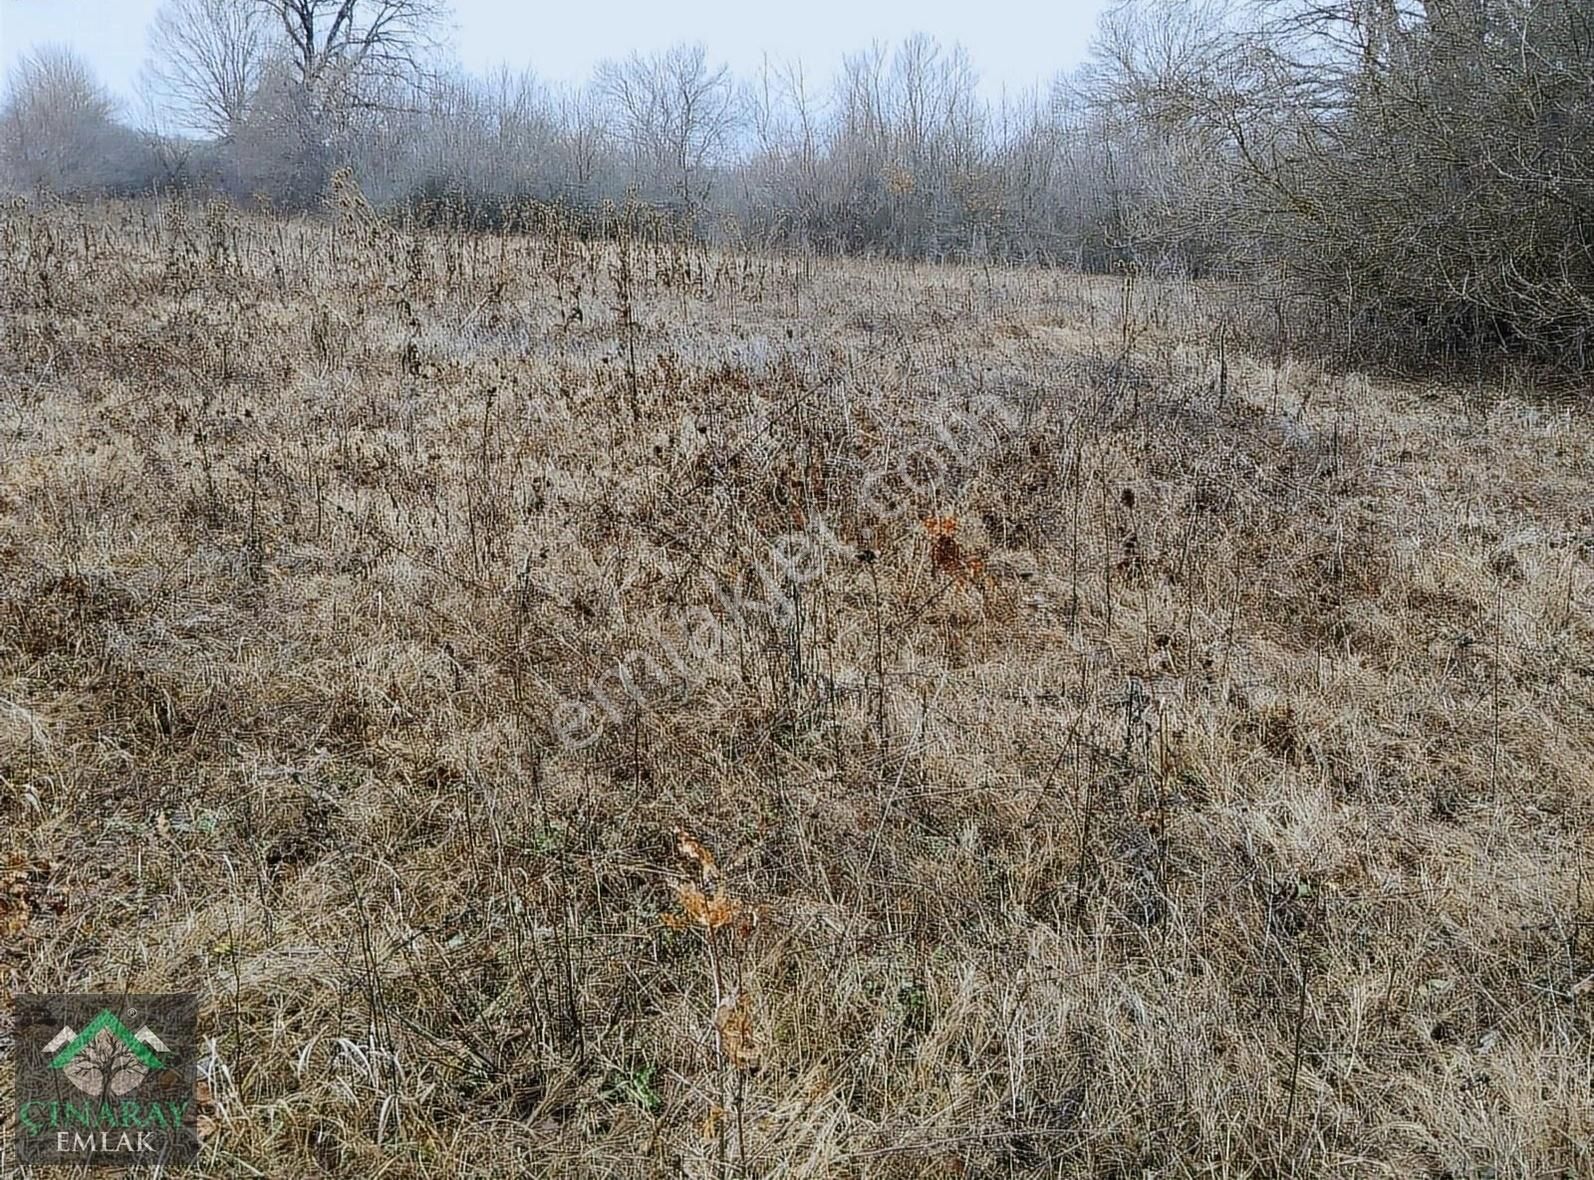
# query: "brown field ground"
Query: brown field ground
{"points": [[616, 708]]}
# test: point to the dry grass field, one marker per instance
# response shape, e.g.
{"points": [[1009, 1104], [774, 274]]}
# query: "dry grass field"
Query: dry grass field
{"points": [[610, 707]]}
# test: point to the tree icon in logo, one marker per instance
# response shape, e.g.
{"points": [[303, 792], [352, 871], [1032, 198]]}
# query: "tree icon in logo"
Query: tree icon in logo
{"points": [[105, 1060]]}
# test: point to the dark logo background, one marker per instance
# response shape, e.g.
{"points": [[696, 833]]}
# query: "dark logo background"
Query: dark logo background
{"points": [[118, 1099]]}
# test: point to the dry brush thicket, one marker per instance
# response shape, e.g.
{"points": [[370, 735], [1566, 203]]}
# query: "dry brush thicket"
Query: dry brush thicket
{"points": [[1174, 762], [1411, 182]]}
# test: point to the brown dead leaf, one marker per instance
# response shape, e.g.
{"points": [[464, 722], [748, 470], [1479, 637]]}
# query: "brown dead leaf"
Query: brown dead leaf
{"points": [[711, 913], [734, 1021], [693, 849], [711, 1121]]}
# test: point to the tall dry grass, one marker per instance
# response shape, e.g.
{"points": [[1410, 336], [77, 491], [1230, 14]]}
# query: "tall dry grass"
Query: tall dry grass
{"points": [[596, 705]]}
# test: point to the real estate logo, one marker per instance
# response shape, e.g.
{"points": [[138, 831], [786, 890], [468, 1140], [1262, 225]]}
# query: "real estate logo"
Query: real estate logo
{"points": [[105, 1078]]}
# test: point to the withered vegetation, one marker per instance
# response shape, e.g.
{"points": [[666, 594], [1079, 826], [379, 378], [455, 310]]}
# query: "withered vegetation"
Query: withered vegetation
{"points": [[1170, 760]]}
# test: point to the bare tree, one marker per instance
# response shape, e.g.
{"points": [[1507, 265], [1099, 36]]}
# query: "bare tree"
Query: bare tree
{"points": [[676, 116], [1421, 170], [782, 176], [345, 46], [57, 125], [587, 146], [341, 68], [205, 62], [909, 147]]}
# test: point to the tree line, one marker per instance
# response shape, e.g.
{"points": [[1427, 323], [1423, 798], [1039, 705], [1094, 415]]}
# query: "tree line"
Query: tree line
{"points": [[1412, 178]]}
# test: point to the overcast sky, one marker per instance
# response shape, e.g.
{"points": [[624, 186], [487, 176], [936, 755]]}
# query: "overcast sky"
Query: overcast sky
{"points": [[1014, 44]]}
